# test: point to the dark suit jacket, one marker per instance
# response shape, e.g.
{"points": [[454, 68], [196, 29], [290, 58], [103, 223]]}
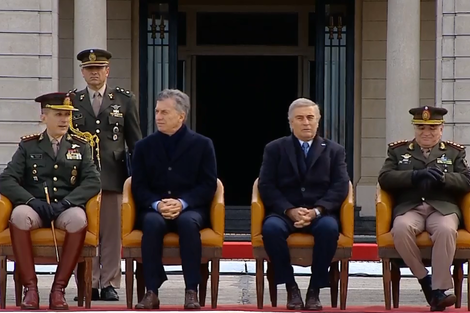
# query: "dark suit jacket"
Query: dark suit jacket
{"points": [[117, 125], [191, 174], [326, 183]]}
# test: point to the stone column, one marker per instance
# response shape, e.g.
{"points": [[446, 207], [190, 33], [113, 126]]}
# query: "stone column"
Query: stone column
{"points": [[90, 31], [403, 67]]}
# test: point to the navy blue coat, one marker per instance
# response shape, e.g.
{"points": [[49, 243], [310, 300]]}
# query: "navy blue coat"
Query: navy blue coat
{"points": [[191, 173], [326, 182]]}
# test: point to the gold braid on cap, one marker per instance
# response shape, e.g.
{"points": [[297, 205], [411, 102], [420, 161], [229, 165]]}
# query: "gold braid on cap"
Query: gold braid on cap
{"points": [[93, 140]]}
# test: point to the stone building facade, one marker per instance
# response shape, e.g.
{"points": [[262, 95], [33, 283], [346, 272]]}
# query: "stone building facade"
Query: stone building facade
{"points": [[406, 53]]}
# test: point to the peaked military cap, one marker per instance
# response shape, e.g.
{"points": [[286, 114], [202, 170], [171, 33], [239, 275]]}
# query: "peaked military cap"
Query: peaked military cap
{"points": [[428, 115], [94, 57], [57, 101]]}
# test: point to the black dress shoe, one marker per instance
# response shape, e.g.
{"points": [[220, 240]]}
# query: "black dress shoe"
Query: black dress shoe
{"points": [[441, 300], [109, 294], [426, 287], [95, 295], [312, 302], [294, 299]]}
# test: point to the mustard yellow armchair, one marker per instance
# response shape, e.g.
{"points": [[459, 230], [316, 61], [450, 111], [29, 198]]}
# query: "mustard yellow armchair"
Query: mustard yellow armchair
{"points": [[212, 243], [44, 250], [391, 260], [300, 247]]}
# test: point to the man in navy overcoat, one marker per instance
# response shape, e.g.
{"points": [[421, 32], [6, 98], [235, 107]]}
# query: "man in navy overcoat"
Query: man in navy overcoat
{"points": [[303, 182], [174, 181]]}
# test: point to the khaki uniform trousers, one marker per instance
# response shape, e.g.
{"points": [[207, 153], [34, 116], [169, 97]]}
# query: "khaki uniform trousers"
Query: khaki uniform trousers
{"points": [[443, 232], [71, 220], [107, 265]]}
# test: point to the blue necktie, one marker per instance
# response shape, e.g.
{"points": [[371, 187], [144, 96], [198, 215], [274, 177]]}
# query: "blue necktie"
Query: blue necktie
{"points": [[305, 147]]}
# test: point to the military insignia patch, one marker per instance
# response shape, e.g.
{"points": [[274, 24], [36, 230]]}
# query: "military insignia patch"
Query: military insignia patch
{"points": [[92, 56], [405, 158], [426, 114], [82, 96]]}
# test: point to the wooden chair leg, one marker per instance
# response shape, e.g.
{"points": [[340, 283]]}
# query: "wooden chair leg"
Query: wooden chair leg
{"points": [[130, 282], [344, 279], [272, 285], [334, 279], [81, 283], [468, 287], [215, 274], [386, 274], [88, 280], [458, 281], [18, 285], [395, 277], [204, 269], [259, 282], [3, 282], [139, 276]]}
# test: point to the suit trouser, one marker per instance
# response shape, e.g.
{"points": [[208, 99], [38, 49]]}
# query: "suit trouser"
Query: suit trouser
{"points": [[107, 265], [275, 232], [154, 227], [443, 231]]}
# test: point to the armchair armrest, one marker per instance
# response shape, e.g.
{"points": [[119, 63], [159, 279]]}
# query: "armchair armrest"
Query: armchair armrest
{"points": [[92, 210], [6, 207], [218, 210], [347, 214], [257, 211], [127, 209], [464, 207], [383, 210]]}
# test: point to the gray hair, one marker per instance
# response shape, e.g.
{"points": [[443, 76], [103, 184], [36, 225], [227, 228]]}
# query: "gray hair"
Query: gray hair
{"points": [[182, 103], [301, 102]]}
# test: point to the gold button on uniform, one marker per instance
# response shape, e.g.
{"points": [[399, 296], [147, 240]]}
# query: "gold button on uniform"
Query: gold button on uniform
{"points": [[55, 200], [55, 189], [56, 166], [97, 131], [98, 122], [54, 179]]}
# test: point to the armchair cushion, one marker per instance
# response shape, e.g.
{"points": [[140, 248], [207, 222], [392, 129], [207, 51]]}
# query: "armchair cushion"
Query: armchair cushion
{"points": [[210, 237], [384, 210], [43, 236], [346, 238]]}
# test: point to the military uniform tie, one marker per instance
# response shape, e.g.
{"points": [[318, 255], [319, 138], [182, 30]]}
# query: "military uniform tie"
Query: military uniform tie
{"points": [[426, 152], [55, 146], [96, 103]]}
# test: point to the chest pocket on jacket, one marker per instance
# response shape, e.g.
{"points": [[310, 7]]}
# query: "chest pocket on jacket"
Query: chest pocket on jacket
{"points": [[117, 126], [404, 165], [35, 167]]}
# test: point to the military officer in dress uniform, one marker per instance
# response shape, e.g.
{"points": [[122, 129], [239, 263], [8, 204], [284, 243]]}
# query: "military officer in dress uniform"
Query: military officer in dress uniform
{"points": [[62, 163], [427, 177], [110, 113]]}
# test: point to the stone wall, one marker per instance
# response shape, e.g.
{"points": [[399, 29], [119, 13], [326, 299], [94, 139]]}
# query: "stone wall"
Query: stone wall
{"points": [[374, 47], [119, 43], [453, 67], [28, 67]]}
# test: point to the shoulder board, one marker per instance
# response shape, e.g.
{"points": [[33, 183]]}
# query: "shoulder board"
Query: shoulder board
{"points": [[398, 143], [78, 138], [123, 91], [30, 137], [455, 145]]}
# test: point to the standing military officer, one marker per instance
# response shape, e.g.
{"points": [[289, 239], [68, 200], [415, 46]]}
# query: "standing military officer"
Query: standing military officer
{"points": [[110, 113], [427, 178], [64, 163]]}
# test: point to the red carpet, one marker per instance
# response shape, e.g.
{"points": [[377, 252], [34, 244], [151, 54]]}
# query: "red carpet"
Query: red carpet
{"points": [[251, 308]]}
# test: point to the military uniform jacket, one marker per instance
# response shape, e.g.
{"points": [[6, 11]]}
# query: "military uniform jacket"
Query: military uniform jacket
{"points": [[406, 156], [71, 175], [116, 125]]}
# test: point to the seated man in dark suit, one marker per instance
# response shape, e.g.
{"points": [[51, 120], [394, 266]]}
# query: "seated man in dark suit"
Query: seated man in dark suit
{"points": [[303, 182], [174, 181]]}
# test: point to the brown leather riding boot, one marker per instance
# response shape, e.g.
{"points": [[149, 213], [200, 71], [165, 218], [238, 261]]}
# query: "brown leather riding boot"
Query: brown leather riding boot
{"points": [[71, 250], [23, 251]]}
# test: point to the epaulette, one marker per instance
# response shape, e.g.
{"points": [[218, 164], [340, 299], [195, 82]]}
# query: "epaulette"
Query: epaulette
{"points": [[455, 145], [78, 138], [123, 91], [30, 137], [398, 143]]}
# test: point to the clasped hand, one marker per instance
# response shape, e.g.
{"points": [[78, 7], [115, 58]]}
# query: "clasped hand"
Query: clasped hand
{"points": [[301, 216], [170, 208], [429, 177], [45, 211]]}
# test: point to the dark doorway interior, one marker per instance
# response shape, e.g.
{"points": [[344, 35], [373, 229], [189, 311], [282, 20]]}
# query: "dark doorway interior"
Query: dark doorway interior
{"points": [[241, 104]]}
